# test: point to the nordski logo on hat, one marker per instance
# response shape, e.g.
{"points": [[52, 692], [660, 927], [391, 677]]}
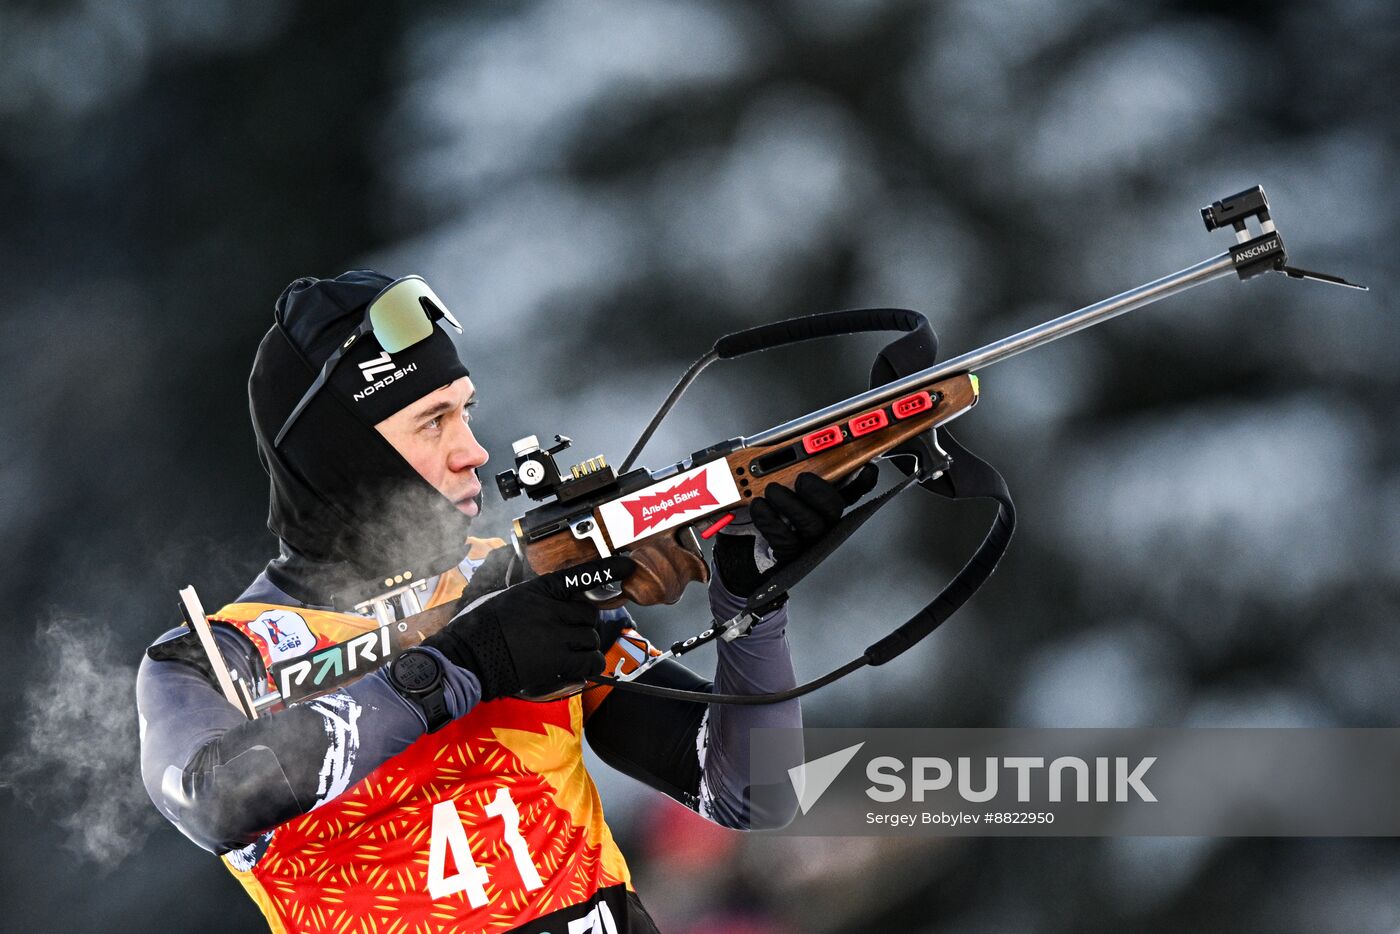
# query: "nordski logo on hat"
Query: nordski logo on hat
{"points": [[380, 364]]}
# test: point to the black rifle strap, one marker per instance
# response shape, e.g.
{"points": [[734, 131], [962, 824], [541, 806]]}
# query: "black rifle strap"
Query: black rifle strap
{"points": [[811, 327], [793, 331], [781, 580], [971, 478]]}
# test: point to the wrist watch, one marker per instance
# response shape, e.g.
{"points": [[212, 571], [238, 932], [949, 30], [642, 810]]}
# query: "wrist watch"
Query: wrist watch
{"points": [[417, 675]]}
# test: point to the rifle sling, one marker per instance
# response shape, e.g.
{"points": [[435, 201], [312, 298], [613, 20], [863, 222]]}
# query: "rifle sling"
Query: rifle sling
{"points": [[970, 478]]}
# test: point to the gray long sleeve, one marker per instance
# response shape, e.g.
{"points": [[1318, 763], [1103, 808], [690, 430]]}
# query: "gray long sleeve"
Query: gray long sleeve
{"points": [[760, 663], [224, 780], [699, 753]]}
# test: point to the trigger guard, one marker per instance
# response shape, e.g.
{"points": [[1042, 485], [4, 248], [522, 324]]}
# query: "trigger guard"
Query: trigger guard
{"points": [[929, 460]]}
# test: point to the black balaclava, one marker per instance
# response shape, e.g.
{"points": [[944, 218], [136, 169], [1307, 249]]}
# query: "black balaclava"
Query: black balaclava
{"points": [[350, 512]]}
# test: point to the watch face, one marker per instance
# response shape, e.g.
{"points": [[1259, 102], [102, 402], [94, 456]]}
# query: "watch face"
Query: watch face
{"points": [[416, 671]]}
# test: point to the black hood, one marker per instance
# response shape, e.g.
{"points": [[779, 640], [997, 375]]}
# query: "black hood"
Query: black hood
{"points": [[349, 511]]}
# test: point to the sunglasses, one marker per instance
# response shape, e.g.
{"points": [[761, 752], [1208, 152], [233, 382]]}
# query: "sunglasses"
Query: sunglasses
{"points": [[401, 315]]}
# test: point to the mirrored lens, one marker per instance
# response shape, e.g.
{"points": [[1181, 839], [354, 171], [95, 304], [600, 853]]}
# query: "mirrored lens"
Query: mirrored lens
{"points": [[397, 315]]}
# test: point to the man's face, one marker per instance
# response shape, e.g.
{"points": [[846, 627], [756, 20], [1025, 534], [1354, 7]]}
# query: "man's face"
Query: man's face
{"points": [[434, 436]]}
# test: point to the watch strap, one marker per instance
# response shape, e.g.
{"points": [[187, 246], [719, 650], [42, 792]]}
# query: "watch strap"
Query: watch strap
{"points": [[434, 707], [430, 700]]}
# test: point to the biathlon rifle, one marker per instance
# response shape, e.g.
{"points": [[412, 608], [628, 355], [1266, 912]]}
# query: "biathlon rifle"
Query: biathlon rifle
{"points": [[594, 511]]}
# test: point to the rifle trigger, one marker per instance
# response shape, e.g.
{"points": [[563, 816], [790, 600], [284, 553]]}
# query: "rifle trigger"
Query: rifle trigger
{"points": [[715, 526]]}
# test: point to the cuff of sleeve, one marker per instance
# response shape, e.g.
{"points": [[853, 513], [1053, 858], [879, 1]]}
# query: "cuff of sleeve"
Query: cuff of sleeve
{"points": [[463, 686], [462, 689]]}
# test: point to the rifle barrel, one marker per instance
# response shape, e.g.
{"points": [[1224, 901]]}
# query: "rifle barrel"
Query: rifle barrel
{"points": [[995, 352]]}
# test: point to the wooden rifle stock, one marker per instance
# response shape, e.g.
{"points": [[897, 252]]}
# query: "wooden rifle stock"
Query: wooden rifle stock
{"points": [[954, 396], [669, 561], [666, 564], [425, 623]]}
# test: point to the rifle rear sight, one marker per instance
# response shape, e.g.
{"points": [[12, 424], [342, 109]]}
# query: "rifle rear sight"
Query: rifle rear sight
{"points": [[537, 474]]}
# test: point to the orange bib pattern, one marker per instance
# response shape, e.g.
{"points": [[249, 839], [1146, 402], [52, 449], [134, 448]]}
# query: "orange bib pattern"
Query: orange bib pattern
{"points": [[485, 825]]}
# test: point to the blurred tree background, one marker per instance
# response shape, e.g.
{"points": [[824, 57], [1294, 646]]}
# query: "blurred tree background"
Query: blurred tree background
{"points": [[1209, 490]]}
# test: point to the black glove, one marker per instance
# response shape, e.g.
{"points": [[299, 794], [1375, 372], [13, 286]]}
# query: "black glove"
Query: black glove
{"points": [[535, 636], [782, 524]]}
